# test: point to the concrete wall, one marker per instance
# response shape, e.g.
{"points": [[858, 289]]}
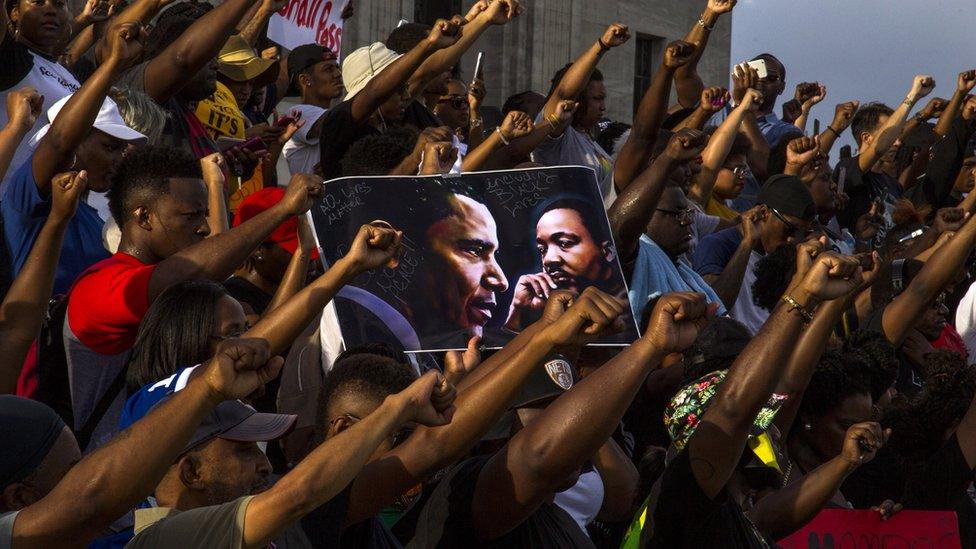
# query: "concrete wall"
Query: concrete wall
{"points": [[524, 55]]}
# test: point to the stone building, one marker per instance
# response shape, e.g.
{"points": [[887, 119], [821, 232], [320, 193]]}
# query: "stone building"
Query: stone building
{"points": [[525, 54]]}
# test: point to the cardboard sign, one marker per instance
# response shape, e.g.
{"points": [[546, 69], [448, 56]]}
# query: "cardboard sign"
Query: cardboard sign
{"points": [[308, 22], [481, 252], [864, 529]]}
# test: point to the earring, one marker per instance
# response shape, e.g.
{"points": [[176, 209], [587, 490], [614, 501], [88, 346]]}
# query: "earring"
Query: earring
{"points": [[808, 427]]}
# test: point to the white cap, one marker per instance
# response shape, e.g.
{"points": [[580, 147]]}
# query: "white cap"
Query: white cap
{"points": [[363, 64], [109, 120]]}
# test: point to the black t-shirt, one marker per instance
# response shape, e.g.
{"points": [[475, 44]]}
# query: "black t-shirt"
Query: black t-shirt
{"points": [[880, 479], [323, 528], [684, 516], [447, 522], [338, 133], [863, 189], [941, 482], [245, 292]]}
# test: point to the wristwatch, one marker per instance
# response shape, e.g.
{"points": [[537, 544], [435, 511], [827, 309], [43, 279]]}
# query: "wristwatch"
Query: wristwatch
{"points": [[477, 122]]}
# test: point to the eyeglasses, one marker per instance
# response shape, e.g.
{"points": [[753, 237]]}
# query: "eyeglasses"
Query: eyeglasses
{"points": [[740, 171], [456, 101], [793, 229], [684, 217]]}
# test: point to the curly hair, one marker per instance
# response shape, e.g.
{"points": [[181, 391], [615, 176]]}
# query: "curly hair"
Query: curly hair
{"points": [[362, 376], [379, 154], [773, 274], [837, 377], [880, 360], [920, 422], [143, 176]]}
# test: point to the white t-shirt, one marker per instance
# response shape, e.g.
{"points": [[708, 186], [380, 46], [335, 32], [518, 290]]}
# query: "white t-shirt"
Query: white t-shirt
{"points": [[744, 310], [584, 500], [302, 152], [22, 67], [966, 319]]}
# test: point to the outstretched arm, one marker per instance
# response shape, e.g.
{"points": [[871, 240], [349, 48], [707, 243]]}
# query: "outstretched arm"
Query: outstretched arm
{"points": [[728, 284], [964, 85], [903, 312], [331, 466], [25, 305], [23, 108], [215, 258], [843, 116], [786, 511], [396, 77], [687, 82], [168, 72], [117, 476], [719, 145], [524, 474], [717, 444], [575, 79], [885, 136], [633, 155], [515, 126], [634, 208], [56, 150]]}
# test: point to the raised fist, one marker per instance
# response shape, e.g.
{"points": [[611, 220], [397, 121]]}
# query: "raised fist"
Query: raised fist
{"points": [[714, 99], [678, 54], [686, 145], [615, 35]]}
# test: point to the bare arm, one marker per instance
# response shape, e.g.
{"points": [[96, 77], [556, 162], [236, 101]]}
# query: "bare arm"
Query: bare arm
{"points": [[717, 444], [687, 81], [785, 511], [331, 466], [117, 476], [885, 136], [255, 24], [516, 125], [216, 258], [728, 284], [964, 85], [56, 150], [620, 480], [23, 108], [516, 480], [296, 273], [25, 305], [213, 167], [167, 73], [717, 150], [397, 75], [843, 116], [904, 311], [633, 155], [635, 206]]}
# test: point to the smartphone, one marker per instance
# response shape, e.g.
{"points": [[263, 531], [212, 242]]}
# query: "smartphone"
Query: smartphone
{"points": [[760, 66], [254, 144], [284, 121], [478, 66], [845, 151], [841, 179], [816, 126]]}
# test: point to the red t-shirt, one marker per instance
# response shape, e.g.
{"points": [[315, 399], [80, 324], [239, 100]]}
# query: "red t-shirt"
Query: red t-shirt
{"points": [[107, 303]]}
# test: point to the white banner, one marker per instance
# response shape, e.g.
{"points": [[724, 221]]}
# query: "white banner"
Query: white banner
{"points": [[308, 22]]}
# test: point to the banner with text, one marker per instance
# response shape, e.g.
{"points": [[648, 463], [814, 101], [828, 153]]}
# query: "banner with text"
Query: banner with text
{"points": [[864, 529], [308, 22], [481, 253]]}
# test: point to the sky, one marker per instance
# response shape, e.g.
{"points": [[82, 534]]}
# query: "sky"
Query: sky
{"points": [[867, 50]]}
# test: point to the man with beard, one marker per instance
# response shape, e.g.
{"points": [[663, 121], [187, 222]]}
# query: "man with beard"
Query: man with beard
{"points": [[576, 253]]}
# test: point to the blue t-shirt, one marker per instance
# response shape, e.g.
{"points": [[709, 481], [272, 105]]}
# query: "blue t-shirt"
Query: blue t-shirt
{"points": [[712, 255], [138, 405], [24, 214]]}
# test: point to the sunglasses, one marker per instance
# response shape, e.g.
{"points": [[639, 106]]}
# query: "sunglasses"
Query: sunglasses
{"points": [[456, 101], [793, 229]]}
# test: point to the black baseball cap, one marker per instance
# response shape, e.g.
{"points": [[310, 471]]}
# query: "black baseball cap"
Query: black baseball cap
{"points": [[302, 58], [30, 430], [788, 195]]}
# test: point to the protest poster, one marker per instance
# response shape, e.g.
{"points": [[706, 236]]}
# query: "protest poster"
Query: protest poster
{"points": [[481, 252], [864, 529], [302, 22]]}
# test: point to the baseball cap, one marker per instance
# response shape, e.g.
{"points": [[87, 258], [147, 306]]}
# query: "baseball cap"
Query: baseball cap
{"points": [[789, 196], [30, 430], [286, 235], [108, 120], [238, 62], [363, 65], [230, 420], [303, 57]]}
